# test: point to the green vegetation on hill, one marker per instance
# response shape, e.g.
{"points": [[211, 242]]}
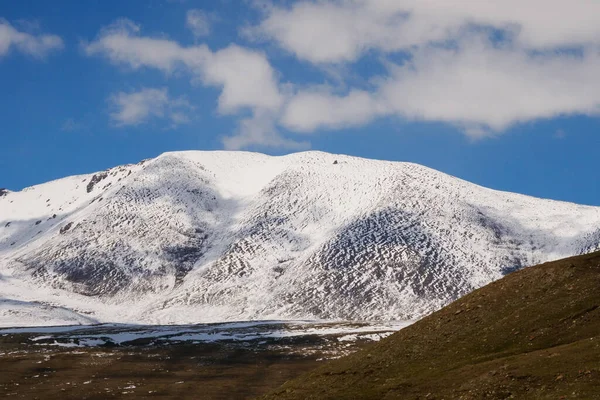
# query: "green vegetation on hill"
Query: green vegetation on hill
{"points": [[534, 334]]}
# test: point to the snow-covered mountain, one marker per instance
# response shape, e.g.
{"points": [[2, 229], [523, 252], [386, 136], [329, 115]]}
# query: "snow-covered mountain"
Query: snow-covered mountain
{"points": [[214, 236]]}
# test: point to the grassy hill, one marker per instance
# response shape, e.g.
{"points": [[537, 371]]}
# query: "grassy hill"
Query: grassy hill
{"points": [[534, 334]]}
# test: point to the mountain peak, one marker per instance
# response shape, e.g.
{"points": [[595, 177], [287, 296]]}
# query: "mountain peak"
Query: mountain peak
{"points": [[212, 236]]}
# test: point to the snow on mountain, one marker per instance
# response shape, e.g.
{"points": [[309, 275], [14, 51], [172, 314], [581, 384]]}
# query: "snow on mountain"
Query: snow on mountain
{"points": [[22, 313], [214, 236]]}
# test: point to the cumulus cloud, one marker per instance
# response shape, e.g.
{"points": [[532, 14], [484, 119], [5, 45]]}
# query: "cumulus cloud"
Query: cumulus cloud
{"points": [[122, 45], [135, 108], [486, 88], [245, 77], [260, 129], [482, 66], [198, 22], [342, 30], [38, 46], [477, 86], [310, 110]]}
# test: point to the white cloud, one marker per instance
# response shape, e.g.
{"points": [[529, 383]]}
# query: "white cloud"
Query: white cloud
{"points": [[37, 46], [198, 22], [246, 78], [490, 88], [313, 109], [260, 130], [481, 66], [138, 107], [479, 87], [122, 45], [343, 30]]}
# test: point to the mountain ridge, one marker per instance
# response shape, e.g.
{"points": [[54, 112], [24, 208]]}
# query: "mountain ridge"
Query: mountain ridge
{"points": [[213, 236]]}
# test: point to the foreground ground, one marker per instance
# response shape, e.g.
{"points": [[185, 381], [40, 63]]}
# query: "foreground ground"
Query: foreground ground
{"points": [[533, 335], [168, 362], [194, 372]]}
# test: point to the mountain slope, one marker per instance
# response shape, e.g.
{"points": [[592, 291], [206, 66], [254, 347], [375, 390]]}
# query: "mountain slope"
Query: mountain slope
{"points": [[213, 236], [534, 334]]}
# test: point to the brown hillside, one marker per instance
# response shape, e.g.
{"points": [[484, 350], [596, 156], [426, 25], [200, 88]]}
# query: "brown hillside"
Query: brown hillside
{"points": [[534, 334]]}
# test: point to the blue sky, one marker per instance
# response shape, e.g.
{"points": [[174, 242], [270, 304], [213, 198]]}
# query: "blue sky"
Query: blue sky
{"points": [[504, 97]]}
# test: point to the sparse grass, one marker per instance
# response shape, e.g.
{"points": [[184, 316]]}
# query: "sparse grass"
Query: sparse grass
{"points": [[224, 370], [533, 335], [178, 371]]}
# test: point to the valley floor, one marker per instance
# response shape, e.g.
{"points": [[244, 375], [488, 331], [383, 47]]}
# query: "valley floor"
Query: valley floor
{"points": [[178, 372], [209, 361]]}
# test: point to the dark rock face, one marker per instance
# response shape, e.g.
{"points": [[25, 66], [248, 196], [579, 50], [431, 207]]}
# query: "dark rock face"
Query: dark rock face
{"points": [[84, 275], [65, 228], [95, 179], [591, 242], [183, 257], [3, 192]]}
